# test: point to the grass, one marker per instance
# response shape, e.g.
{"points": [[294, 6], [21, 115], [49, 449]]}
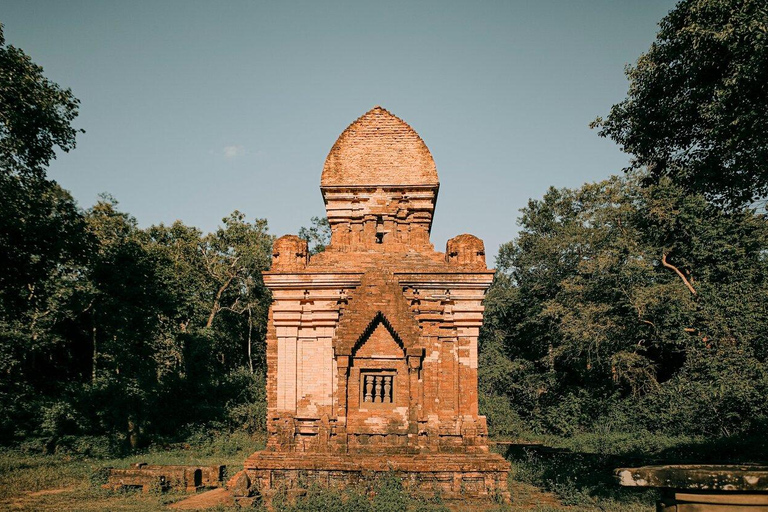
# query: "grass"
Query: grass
{"points": [[578, 470], [549, 474], [72, 482]]}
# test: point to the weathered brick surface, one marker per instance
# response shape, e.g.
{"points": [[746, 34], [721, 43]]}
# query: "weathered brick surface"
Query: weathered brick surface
{"points": [[163, 477], [379, 149], [452, 476], [379, 301], [289, 253]]}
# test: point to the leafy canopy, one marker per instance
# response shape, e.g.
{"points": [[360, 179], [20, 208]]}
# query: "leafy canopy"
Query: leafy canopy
{"points": [[618, 297], [318, 235], [697, 106], [107, 328], [35, 114]]}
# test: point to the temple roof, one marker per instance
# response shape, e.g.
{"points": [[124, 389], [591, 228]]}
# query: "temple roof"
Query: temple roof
{"points": [[379, 149]]}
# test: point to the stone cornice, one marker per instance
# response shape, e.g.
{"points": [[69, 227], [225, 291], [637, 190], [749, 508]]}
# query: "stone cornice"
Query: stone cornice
{"points": [[280, 280], [465, 279], [471, 279]]}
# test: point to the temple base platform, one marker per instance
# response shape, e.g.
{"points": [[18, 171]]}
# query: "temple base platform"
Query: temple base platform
{"points": [[451, 476]]}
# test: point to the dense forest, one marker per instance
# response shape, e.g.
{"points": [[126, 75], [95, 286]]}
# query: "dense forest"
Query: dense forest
{"points": [[639, 303]]}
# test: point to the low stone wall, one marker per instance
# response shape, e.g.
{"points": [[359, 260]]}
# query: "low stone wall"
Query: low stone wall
{"points": [[164, 477], [702, 487]]}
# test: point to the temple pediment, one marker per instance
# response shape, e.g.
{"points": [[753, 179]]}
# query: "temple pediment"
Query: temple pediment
{"points": [[380, 341], [378, 299]]}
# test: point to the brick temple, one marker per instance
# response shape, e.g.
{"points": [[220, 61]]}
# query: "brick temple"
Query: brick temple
{"points": [[372, 344]]}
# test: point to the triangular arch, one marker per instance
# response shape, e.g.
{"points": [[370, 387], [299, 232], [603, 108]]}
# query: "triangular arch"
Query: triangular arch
{"points": [[378, 298], [376, 321]]}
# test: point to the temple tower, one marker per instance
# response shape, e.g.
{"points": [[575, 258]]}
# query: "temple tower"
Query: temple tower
{"points": [[372, 344], [380, 186]]}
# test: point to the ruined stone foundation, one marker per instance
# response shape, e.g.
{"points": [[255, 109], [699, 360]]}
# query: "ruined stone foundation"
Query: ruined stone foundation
{"points": [[448, 475], [372, 344]]}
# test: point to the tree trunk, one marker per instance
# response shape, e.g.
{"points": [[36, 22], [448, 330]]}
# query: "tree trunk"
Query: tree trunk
{"points": [[250, 330], [95, 355], [217, 302], [133, 432]]}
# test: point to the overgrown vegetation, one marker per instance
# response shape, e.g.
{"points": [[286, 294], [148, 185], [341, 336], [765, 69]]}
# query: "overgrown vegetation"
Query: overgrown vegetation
{"points": [[622, 308], [638, 304], [540, 480], [69, 480], [107, 329], [387, 494], [627, 324], [138, 333]]}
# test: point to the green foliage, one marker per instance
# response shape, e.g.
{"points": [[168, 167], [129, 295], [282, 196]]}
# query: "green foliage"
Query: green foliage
{"points": [[75, 477], [386, 495], [696, 109], [643, 304], [44, 248], [35, 115], [633, 310], [210, 442], [717, 393], [179, 315], [163, 319], [247, 409], [107, 329], [99, 477], [318, 235], [389, 495], [319, 499], [578, 477]]}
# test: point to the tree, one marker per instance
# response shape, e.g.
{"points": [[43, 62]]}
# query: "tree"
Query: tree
{"points": [[173, 316], [44, 247], [234, 257], [44, 253], [35, 114], [318, 235], [40, 225], [107, 328], [697, 106], [125, 297], [614, 296]]}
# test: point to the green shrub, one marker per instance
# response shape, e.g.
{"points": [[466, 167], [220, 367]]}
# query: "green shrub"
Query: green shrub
{"points": [[248, 409], [389, 495], [99, 477], [322, 499]]}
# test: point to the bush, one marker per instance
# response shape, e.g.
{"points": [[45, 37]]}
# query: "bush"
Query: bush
{"points": [[718, 393], [248, 409], [503, 419], [321, 499], [389, 494]]}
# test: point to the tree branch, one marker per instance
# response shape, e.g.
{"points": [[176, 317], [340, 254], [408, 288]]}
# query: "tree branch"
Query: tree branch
{"points": [[233, 308], [677, 271], [217, 301]]}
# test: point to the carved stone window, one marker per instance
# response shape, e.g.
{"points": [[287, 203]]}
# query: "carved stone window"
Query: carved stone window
{"points": [[377, 388]]}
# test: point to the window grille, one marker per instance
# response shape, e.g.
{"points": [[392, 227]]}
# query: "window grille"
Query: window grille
{"points": [[378, 388]]}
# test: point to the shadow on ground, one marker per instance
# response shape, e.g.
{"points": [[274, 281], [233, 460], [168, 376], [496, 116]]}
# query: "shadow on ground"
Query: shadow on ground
{"points": [[582, 474]]}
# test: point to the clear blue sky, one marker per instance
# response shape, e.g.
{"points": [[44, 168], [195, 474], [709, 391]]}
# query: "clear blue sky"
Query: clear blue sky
{"points": [[194, 109]]}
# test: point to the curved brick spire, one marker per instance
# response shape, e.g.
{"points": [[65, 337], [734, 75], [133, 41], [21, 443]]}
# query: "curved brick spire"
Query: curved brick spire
{"points": [[379, 149]]}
